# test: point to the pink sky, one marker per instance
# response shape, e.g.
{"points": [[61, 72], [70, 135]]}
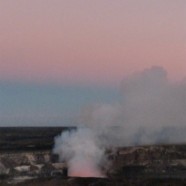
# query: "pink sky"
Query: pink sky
{"points": [[90, 41]]}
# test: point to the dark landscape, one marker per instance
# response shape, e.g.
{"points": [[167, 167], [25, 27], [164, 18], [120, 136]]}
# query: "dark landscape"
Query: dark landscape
{"points": [[26, 158]]}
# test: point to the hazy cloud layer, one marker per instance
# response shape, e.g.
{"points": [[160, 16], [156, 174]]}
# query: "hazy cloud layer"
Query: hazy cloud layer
{"points": [[32, 104]]}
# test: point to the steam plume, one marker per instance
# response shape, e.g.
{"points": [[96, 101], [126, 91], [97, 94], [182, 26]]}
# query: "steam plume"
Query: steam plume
{"points": [[152, 110], [82, 151]]}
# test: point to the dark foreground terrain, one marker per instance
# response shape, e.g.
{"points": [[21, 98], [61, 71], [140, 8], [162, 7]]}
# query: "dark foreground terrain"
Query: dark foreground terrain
{"points": [[26, 159], [28, 138]]}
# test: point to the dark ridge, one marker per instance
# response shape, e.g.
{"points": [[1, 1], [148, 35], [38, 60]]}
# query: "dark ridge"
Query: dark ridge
{"points": [[29, 138]]}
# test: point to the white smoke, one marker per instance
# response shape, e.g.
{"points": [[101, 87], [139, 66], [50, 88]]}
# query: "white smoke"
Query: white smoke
{"points": [[152, 110], [82, 151]]}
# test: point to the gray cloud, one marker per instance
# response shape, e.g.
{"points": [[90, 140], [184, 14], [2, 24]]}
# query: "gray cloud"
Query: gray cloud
{"points": [[152, 110]]}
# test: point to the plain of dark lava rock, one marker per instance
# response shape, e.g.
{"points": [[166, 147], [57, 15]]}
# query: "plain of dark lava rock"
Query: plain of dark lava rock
{"points": [[30, 156]]}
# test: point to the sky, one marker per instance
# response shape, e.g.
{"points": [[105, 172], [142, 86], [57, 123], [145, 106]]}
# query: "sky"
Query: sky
{"points": [[78, 51]]}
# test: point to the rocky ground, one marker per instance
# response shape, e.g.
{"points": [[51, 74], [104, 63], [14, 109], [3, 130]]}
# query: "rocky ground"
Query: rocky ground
{"points": [[28, 160]]}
